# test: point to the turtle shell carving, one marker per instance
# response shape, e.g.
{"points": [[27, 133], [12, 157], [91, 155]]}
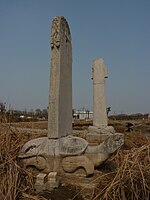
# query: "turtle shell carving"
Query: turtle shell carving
{"points": [[70, 146]]}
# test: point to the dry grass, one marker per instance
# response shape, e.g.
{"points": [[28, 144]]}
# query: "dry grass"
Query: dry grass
{"points": [[13, 180], [34, 125], [126, 175], [130, 179]]}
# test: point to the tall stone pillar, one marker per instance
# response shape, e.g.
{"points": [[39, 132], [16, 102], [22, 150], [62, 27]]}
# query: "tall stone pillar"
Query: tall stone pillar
{"points": [[60, 99], [99, 73], [100, 123]]}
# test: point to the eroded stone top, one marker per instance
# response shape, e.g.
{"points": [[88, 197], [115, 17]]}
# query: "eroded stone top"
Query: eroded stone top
{"points": [[59, 27], [99, 71]]}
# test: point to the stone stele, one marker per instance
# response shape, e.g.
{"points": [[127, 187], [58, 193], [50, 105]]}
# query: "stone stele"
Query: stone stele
{"points": [[61, 152], [60, 99]]}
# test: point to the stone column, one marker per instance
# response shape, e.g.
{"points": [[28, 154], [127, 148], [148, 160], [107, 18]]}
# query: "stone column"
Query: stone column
{"points": [[60, 99], [100, 123], [99, 73]]}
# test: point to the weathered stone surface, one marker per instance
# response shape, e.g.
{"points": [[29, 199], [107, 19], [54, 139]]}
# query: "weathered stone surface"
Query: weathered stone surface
{"points": [[47, 182], [71, 163], [100, 124], [96, 139], [65, 146], [99, 73], [94, 155], [60, 99], [38, 162], [40, 146], [40, 183], [72, 146], [109, 146], [69, 157], [101, 130], [113, 143], [53, 181]]}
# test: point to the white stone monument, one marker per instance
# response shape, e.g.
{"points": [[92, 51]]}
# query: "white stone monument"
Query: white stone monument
{"points": [[99, 73], [61, 152], [100, 122], [60, 99]]}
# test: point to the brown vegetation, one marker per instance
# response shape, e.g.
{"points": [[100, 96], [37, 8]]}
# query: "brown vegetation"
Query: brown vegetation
{"points": [[14, 180], [124, 176], [131, 179]]}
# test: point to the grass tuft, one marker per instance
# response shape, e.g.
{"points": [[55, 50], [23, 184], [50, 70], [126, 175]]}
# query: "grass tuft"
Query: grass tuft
{"points": [[14, 180]]}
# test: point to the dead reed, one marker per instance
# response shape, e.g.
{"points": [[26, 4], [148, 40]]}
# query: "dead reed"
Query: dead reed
{"points": [[131, 179], [14, 181]]}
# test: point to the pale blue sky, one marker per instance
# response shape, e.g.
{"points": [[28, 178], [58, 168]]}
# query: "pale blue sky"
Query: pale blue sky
{"points": [[116, 30]]}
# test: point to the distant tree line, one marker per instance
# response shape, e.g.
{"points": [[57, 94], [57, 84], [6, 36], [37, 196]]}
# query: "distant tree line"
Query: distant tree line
{"points": [[137, 116], [11, 115]]}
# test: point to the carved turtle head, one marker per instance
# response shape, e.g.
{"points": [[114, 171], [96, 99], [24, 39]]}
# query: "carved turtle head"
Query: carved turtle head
{"points": [[114, 142]]}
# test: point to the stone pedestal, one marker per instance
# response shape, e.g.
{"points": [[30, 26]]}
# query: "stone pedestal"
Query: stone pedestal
{"points": [[101, 130], [52, 181], [46, 182], [40, 183]]}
